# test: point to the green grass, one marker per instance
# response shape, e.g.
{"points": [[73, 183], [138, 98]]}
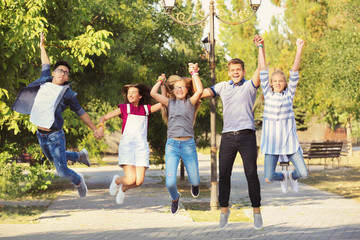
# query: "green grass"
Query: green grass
{"points": [[344, 182], [20, 215], [58, 186], [200, 211], [237, 215]]}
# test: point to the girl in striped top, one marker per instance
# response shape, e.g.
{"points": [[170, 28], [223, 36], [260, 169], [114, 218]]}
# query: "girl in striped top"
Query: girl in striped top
{"points": [[279, 127]]}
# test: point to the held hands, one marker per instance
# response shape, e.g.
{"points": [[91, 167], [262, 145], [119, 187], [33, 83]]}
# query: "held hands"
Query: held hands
{"points": [[193, 68], [300, 43], [259, 41], [162, 79], [99, 133]]}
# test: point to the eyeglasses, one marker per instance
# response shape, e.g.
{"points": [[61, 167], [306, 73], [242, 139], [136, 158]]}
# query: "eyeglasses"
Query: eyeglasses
{"points": [[179, 88], [60, 71]]}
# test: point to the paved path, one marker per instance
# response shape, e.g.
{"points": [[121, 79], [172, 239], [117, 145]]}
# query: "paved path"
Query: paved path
{"points": [[309, 214]]}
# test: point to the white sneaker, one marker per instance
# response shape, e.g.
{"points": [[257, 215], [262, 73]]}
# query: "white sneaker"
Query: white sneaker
{"points": [[120, 196], [113, 186], [224, 220], [258, 222], [293, 182], [82, 188], [84, 157], [284, 182]]}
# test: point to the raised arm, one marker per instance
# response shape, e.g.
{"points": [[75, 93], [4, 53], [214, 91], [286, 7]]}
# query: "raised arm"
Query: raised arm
{"points": [[261, 55], [259, 42], [44, 57], [155, 91], [299, 43], [197, 85]]}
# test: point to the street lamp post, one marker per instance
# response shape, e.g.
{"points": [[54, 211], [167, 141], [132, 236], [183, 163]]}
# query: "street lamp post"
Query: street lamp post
{"points": [[169, 6]]}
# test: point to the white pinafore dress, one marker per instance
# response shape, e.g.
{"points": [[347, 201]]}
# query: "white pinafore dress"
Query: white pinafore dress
{"points": [[134, 147]]}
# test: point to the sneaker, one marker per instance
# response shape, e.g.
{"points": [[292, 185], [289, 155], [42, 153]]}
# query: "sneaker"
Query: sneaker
{"points": [[113, 186], [82, 188], [293, 182], [284, 182], [120, 196], [175, 205], [258, 222], [224, 220], [195, 191], [84, 157]]}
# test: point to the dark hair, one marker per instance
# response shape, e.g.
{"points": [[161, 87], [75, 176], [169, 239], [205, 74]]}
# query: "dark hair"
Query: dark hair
{"points": [[144, 91], [236, 61], [62, 63]]}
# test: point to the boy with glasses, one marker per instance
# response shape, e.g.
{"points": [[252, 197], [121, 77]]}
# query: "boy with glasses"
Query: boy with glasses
{"points": [[45, 99]]}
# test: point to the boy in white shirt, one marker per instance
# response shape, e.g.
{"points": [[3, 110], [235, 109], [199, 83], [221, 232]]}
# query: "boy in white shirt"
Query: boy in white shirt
{"points": [[45, 99]]}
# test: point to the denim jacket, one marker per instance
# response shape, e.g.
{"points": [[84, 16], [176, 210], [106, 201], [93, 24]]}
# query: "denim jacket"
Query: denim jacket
{"points": [[25, 100]]}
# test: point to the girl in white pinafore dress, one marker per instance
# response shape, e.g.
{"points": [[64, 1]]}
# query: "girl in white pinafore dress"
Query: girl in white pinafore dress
{"points": [[133, 147]]}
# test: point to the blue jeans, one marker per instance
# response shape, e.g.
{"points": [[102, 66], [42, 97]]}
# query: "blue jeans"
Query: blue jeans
{"points": [[53, 146], [186, 150], [296, 159]]}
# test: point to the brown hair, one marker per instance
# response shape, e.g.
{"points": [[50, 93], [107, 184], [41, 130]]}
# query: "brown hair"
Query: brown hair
{"points": [[144, 91], [236, 61], [170, 94]]}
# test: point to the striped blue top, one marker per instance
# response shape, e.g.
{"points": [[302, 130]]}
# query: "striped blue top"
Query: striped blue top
{"points": [[279, 126]]}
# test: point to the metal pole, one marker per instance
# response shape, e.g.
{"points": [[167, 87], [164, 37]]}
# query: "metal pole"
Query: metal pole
{"points": [[214, 184]]}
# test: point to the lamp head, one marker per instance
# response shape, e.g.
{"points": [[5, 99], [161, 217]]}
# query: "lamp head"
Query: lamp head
{"points": [[168, 5], [255, 4], [206, 43]]}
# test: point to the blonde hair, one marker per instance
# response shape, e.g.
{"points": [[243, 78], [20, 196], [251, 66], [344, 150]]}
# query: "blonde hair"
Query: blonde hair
{"points": [[170, 94], [277, 71], [260, 100]]}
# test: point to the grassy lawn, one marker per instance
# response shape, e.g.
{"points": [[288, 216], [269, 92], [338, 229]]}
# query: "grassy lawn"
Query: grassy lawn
{"points": [[20, 215], [31, 214], [200, 211], [344, 180]]}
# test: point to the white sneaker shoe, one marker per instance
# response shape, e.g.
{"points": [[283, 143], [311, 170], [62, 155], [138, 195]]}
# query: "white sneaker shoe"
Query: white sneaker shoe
{"points": [[82, 188], [258, 222], [120, 196], [84, 157], [113, 186], [293, 182], [284, 182]]}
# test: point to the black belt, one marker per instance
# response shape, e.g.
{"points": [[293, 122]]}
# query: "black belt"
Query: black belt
{"points": [[47, 132], [239, 132]]}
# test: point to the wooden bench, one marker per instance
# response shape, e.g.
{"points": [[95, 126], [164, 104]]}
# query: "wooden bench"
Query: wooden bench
{"points": [[323, 150]]}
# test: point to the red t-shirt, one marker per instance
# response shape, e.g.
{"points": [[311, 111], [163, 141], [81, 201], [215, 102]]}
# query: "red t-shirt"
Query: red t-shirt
{"points": [[139, 110]]}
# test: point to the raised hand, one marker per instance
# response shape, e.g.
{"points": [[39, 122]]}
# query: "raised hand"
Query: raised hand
{"points": [[42, 40], [162, 79], [193, 68], [300, 43], [258, 40]]}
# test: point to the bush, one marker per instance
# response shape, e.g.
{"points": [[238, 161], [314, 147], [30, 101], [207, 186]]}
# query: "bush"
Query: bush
{"points": [[16, 180]]}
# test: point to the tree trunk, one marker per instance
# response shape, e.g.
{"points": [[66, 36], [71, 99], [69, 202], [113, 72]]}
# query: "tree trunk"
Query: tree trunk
{"points": [[349, 137]]}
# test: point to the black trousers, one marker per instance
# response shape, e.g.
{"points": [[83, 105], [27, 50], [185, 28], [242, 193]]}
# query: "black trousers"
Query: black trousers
{"points": [[244, 142]]}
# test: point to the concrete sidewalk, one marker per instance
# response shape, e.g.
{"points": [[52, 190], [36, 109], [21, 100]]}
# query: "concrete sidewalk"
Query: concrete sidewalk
{"points": [[309, 214]]}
